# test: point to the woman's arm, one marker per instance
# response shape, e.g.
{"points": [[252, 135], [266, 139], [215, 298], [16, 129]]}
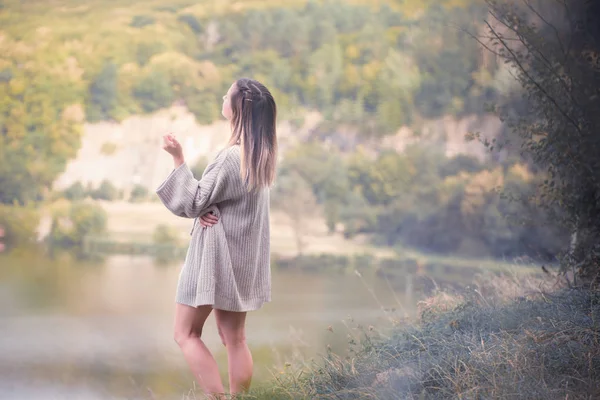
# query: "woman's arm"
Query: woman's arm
{"points": [[188, 197]]}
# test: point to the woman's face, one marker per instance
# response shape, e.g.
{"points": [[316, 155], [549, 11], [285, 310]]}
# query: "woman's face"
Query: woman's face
{"points": [[226, 109]]}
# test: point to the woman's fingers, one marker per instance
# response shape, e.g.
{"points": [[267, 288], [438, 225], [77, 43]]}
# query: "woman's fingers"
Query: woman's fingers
{"points": [[211, 218], [208, 220], [171, 145]]}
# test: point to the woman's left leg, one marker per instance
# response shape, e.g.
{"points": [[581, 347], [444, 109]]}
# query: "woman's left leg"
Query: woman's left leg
{"points": [[232, 329]]}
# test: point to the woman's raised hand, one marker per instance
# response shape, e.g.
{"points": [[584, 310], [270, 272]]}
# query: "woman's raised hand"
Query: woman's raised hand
{"points": [[173, 147]]}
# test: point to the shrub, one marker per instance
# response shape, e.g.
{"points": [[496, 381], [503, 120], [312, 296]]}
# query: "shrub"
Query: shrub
{"points": [[199, 167], [106, 191], [138, 193], [72, 222], [191, 21], [165, 235], [75, 192], [20, 224], [154, 91], [108, 148], [166, 241], [139, 21]]}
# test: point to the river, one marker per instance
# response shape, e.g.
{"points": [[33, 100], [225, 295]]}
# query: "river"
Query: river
{"points": [[83, 330]]}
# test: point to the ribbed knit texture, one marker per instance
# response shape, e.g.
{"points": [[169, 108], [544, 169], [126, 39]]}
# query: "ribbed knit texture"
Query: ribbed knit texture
{"points": [[227, 265]]}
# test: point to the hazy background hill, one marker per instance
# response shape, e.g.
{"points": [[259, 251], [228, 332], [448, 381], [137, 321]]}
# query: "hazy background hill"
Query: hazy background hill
{"points": [[88, 88]]}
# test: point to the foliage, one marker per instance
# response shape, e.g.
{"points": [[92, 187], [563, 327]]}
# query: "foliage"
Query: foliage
{"points": [[105, 191], [165, 235], [138, 193], [108, 148], [199, 167], [19, 223], [153, 91], [75, 192], [322, 168], [423, 199], [102, 101], [191, 21], [139, 21], [370, 67], [335, 56], [72, 222], [553, 52], [39, 126], [294, 196]]}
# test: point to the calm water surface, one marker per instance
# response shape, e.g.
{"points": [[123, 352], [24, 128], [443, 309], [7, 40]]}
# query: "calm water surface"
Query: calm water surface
{"points": [[74, 330]]}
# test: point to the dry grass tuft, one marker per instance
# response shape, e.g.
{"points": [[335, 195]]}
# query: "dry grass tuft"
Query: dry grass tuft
{"points": [[504, 337]]}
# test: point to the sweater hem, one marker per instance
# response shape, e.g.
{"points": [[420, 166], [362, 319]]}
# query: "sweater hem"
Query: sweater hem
{"points": [[224, 303]]}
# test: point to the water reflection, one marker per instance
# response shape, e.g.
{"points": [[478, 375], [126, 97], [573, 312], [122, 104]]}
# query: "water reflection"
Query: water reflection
{"points": [[104, 330]]}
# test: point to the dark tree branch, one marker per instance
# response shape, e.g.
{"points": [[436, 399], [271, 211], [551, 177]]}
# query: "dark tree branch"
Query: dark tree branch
{"points": [[533, 10], [544, 60], [532, 79]]}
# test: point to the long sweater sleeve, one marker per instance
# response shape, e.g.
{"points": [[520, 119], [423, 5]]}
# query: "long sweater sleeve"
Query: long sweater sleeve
{"points": [[188, 197]]}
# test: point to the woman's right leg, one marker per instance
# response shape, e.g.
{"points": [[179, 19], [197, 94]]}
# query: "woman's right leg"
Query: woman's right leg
{"points": [[232, 330], [189, 322]]}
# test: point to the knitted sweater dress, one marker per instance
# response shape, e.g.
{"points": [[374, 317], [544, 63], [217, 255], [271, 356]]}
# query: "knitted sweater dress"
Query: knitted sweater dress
{"points": [[227, 265]]}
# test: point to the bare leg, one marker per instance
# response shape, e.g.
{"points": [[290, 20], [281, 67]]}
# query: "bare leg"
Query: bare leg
{"points": [[233, 334], [189, 322]]}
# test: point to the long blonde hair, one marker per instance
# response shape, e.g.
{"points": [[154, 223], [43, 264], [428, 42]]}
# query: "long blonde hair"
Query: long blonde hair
{"points": [[253, 127]]}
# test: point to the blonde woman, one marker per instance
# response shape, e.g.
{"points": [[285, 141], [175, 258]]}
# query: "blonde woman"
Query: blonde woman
{"points": [[227, 264]]}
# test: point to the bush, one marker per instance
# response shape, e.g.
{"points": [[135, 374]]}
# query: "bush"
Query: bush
{"points": [[102, 94], [145, 51], [166, 240], [154, 91], [199, 167], [191, 21], [72, 222], [106, 191], [75, 192], [20, 225], [108, 148], [138, 193], [556, 126], [139, 21], [6, 75], [165, 235]]}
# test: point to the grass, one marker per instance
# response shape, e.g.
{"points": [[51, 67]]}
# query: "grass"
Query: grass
{"points": [[513, 337]]}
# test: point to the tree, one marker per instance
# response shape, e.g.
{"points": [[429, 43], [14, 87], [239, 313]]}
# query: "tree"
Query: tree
{"points": [[325, 173], [553, 52], [294, 196], [106, 191], [154, 91], [199, 167], [39, 131], [103, 94], [74, 221]]}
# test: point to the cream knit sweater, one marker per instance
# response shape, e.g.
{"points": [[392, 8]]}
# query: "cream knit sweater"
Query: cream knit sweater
{"points": [[227, 265]]}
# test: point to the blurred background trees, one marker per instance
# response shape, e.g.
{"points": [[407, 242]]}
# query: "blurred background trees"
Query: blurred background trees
{"points": [[369, 70]]}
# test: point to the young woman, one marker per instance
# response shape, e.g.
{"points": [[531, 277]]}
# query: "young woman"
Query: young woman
{"points": [[227, 264]]}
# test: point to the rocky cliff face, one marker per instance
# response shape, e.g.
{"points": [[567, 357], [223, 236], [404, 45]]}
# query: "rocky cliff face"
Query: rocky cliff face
{"points": [[130, 152], [448, 134]]}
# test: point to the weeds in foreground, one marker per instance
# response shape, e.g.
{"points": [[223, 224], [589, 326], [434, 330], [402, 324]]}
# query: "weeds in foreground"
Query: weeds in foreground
{"points": [[503, 337]]}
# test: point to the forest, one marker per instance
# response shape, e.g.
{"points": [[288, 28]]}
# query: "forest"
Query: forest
{"points": [[368, 68]]}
